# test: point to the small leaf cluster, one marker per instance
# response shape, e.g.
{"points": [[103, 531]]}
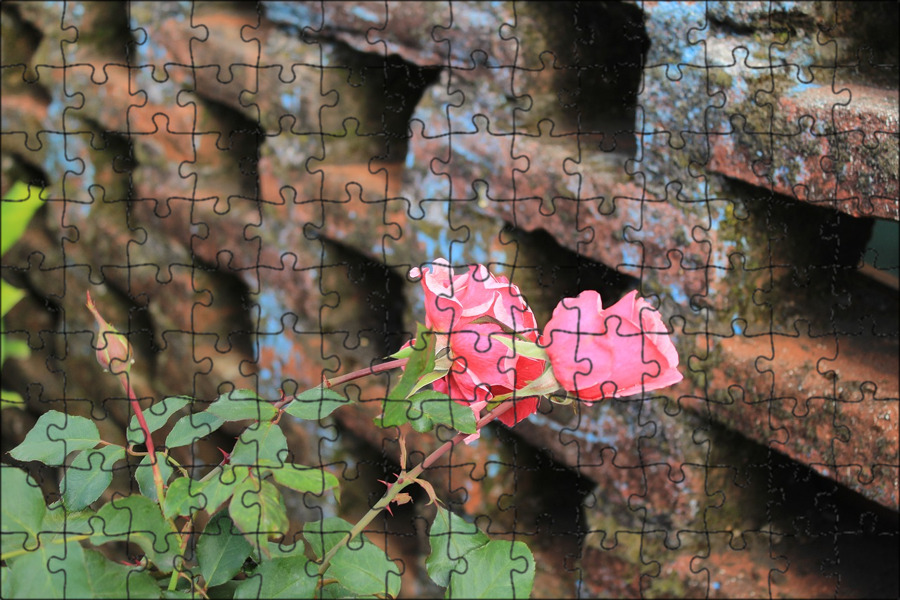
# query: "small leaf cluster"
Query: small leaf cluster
{"points": [[241, 552], [407, 402]]}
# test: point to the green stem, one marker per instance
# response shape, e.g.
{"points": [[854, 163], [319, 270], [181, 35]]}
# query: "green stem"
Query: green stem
{"points": [[405, 479], [185, 536]]}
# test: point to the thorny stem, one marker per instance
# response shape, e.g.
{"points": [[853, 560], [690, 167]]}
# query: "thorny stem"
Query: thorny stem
{"points": [[148, 440], [404, 480]]}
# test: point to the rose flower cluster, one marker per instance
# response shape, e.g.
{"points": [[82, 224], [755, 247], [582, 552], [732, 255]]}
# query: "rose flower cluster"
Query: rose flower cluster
{"points": [[487, 330]]}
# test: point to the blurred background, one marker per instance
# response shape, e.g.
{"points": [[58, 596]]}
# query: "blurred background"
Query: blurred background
{"points": [[243, 188]]}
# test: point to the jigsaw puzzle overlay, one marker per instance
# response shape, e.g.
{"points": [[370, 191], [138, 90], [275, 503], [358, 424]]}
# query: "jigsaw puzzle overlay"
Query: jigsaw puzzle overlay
{"points": [[244, 190]]}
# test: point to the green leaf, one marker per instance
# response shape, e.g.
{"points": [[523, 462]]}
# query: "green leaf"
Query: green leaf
{"points": [[240, 405], [304, 479], [22, 510], [89, 475], [79, 573], [315, 403], [451, 538], [523, 348], [257, 508], [18, 206], [280, 578], [183, 498], [263, 441], [220, 484], [139, 520], [30, 575], [499, 569], [221, 550], [143, 474], [69, 434], [441, 409], [360, 566], [325, 534], [156, 416], [189, 428], [59, 520], [420, 363], [9, 297]]}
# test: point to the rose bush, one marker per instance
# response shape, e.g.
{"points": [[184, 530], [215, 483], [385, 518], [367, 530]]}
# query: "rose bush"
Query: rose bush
{"points": [[620, 351], [470, 312]]}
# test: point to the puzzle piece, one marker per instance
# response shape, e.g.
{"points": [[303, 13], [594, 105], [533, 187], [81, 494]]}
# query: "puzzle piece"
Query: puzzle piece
{"points": [[252, 190]]}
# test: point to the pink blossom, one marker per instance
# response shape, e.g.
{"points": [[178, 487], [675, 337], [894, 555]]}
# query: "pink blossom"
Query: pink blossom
{"points": [[597, 353], [469, 311]]}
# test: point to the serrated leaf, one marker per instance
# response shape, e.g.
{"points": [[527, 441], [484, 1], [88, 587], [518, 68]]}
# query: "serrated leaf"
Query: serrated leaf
{"points": [[303, 479], [22, 510], [420, 362], [189, 428], [139, 520], [69, 434], [257, 509], [396, 412], [263, 441], [499, 569], [59, 520], [219, 486], [143, 474], [451, 538], [315, 403], [183, 498], [441, 409], [85, 574], [522, 348], [280, 578], [325, 534], [156, 416], [30, 575], [242, 405], [360, 566], [221, 550], [89, 475]]}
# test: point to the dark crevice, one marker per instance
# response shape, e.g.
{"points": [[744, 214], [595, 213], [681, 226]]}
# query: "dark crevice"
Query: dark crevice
{"points": [[599, 50], [547, 272], [372, 301]]}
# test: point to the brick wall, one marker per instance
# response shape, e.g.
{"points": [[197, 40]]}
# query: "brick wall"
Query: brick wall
{"points": [[245, 186]]}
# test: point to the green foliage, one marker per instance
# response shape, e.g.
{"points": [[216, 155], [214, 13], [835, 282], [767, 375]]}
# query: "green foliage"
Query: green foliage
{"points": [[471, 565], [360, 566], [315, 403], [54, 436], [18, 206], [221, 550], [89, 475], [157, 416], [241, 552]]}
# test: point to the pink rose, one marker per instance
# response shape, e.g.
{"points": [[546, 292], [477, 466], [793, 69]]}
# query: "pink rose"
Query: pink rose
{"points": [[469, 311], [597, 354]]}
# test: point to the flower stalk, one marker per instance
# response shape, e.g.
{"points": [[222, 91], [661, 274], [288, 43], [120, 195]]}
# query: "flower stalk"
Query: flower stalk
{"points": [[404, 479]]}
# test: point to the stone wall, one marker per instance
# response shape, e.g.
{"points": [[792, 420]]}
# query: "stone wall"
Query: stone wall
{"points": [[243, 187]]}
